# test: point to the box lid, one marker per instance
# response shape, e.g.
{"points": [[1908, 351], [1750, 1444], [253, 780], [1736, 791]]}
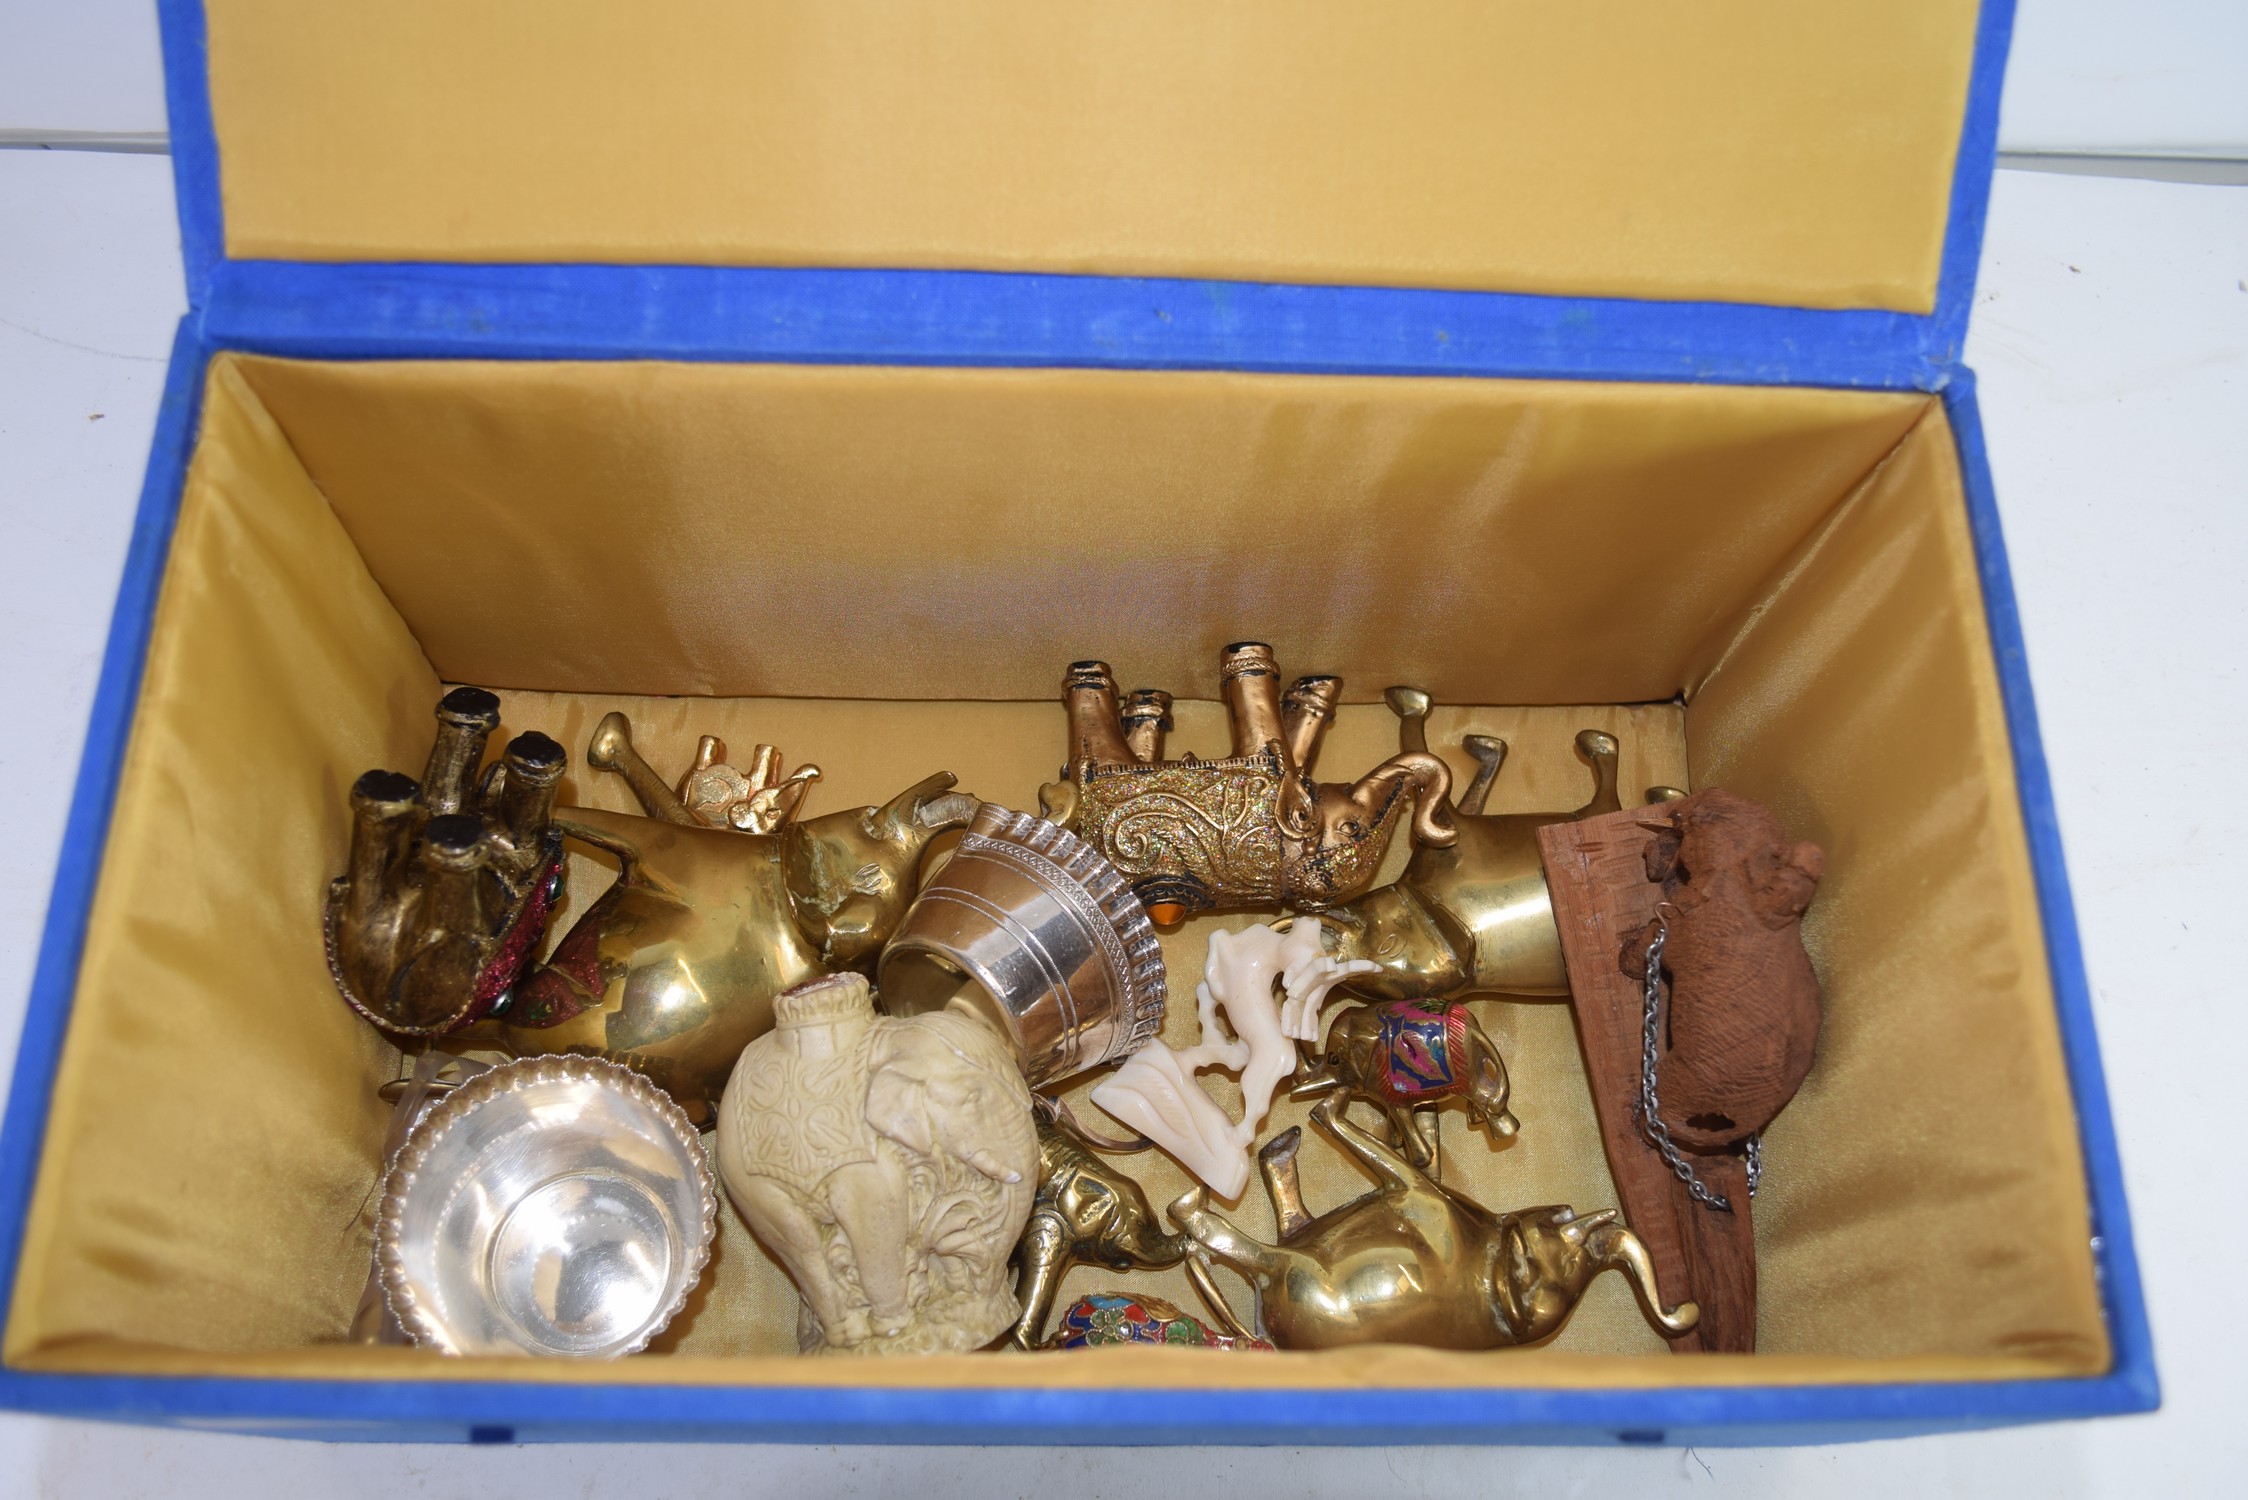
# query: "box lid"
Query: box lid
{"points": [[1828, 157]]}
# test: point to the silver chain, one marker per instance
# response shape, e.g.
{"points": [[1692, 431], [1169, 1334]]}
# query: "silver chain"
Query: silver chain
{"points": [[1650, 1102]]}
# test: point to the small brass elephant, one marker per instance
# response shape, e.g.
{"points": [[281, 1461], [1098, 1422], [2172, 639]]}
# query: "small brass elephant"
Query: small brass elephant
{"points": [[1403, 1056], [1085, 1213], [451, 878], [1415, 1263], [1473, 914], [1254, 830]]}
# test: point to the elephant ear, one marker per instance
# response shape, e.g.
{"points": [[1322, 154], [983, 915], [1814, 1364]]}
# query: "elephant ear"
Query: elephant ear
{"points": [[931, 1099], [897, 1106], [1785, 881]]}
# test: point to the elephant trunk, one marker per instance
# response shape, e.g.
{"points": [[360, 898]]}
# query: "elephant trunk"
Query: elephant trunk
{"points": [[1431, 781], [1151, 1249], [1612, 1245]]}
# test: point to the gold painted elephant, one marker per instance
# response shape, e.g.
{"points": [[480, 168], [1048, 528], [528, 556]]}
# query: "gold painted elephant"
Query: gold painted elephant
{"points": [[450, 879], [1253, 830], [1472, 915], [1413, 1262]]}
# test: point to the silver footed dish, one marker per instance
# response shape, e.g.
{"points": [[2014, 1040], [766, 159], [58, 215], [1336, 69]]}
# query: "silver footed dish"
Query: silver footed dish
{"points": [[554, 1205]]}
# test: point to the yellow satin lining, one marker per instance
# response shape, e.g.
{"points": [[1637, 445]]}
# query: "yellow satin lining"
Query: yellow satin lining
{"points": [[351, 534], [1732, 149], [855, 532]]}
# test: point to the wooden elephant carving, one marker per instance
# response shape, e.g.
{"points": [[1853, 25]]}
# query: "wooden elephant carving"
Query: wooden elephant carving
{"points": [[1743, 1020], [1413, 1262], [1254, 830]]}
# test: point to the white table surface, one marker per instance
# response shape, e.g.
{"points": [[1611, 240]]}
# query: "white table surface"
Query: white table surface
{"points": [[2112, 339]]}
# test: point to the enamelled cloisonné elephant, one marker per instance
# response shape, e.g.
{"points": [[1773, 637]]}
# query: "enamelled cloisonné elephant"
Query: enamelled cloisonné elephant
{"points": [[1194, 835], [1404, 1056], [1472, 915], [672, 970], [1412, 1263]]}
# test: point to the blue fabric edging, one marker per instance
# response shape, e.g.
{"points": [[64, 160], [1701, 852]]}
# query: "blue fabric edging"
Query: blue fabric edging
{"points": [[2115, 1255], [1944, 340], [195, 147], [62, 939], [401, 311]]}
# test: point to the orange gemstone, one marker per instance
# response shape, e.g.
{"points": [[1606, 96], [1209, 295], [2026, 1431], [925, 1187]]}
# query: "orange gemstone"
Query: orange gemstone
{"points": [[1166, 913]]}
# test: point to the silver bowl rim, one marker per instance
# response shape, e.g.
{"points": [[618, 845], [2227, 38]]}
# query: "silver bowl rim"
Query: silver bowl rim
{"points": [[397, 1286], [1140, 983]]}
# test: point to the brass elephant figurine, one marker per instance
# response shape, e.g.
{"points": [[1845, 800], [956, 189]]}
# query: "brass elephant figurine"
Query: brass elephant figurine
{"points": [[673, 970], [1254, 830], [1472, 915], [1415, 1263], [1085, 1213], [1404, 1056]]}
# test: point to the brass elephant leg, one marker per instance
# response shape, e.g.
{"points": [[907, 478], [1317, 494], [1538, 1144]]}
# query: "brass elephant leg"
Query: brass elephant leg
{"points": [[1416, 1146], [1391, 1169], [1411, 706], [1489, 752], [1096, 726], [611, 749], [1599, 750], [1277, 1164], [1610, 1244], [1045, 1249], [1215, 1236]]}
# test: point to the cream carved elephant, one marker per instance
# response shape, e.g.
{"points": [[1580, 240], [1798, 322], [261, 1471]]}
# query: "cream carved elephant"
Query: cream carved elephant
{"points": [[888, 1163]]}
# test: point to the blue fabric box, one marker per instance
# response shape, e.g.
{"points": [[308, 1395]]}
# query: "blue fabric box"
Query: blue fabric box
{"points": [[854, 309]]}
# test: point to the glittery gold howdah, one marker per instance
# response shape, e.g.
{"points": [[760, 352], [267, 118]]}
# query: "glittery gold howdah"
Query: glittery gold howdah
{"points": [[1252, 830]]}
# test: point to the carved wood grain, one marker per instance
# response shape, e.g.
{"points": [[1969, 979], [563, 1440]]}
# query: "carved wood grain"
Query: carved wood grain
{"points": [[1596, 871]]}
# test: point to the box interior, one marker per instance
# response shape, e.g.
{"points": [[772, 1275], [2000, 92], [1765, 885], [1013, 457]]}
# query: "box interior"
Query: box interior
{"points": [[884, 571], [1733, 151]]}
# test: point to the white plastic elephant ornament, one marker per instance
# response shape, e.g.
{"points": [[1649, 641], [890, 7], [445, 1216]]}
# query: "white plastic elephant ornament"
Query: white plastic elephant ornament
{"points": [[888, 1163], [1154, 1092]]}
